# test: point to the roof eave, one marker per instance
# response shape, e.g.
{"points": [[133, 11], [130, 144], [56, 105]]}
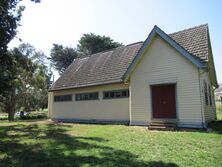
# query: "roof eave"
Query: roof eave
{"points": [[84, 86], [212, 65]]}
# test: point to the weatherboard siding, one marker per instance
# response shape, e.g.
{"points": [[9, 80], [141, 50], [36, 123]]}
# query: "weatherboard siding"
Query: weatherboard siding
{"points": [[161, 64], [209, 110], [92, 110]]}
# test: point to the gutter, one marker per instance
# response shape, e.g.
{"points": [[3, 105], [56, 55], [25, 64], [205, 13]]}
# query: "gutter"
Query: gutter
{"points": [[86, 86]]}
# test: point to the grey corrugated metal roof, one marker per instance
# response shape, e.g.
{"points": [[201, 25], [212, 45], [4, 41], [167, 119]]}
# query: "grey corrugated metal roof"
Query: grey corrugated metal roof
{"points": [[109, 66]]}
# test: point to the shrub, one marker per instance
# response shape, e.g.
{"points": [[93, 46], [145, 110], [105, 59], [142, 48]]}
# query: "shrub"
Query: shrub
{"points": [[37, 116], [27, 117], [3, 118]]}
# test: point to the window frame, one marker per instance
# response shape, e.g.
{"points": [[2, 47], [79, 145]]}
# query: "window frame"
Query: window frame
{"points": [[210, 96], [206, 94], [63, 98], [115, 94], [86, 96]]}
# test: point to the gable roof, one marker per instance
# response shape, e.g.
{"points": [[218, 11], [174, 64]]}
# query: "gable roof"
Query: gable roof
{"points": [[98, 69], [195, 59], [115, 65]]}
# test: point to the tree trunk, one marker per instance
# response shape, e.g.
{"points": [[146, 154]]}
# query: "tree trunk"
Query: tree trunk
{"points": [[10, 105], [11, 115]]}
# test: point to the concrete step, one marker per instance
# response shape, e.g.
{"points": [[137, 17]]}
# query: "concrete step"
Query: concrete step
{"points": [[162, 126]]}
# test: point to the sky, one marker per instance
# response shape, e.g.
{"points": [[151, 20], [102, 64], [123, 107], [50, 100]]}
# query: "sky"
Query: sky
{"points": [[126, 21]]}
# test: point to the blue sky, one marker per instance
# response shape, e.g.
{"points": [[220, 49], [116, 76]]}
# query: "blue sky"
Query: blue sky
{"points": [[126, 21]]}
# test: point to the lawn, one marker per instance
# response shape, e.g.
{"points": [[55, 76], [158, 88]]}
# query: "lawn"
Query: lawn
{"points": [[44, 143]]}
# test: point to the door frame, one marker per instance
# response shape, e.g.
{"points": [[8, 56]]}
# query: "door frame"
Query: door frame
{"points": [[176, 101]]}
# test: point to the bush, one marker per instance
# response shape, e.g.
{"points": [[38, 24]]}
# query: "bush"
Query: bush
{"points": [[42, 115], [29, 117], [3, 118]]}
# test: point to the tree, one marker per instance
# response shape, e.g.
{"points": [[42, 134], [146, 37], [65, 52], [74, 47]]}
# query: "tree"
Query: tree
{"points": [[21, 71], [62, 57], [91, 43], [30, 81], [10, 15]]}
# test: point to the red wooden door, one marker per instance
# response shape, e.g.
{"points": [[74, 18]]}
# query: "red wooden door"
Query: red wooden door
{"points": [[163, 101]]}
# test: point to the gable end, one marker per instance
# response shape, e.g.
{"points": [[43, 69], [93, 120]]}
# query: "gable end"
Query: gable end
{"points": [[157, 31]]}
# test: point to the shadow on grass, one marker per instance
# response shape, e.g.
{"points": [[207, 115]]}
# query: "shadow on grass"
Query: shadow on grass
{"points": [[52, 145]]}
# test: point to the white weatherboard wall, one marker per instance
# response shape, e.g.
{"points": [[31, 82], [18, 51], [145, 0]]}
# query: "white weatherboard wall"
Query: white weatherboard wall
{"points": [[92, 110], [209, 110], [162, 64]]}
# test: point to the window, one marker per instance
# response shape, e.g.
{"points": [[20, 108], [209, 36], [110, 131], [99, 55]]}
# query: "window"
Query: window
{"points": [[116, 94], [210, 96], [205, 93], [63, 98], [87, 96]]}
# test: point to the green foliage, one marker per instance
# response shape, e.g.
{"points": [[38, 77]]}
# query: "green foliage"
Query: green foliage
{"points": [[34, 91], [3, 117], [33, 116], [10, 15], [30, 81], [30, 116], [62, 57], [91, 43], [58, 144]]}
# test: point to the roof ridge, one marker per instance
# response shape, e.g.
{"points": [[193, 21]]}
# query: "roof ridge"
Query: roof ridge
{"points": [[80, 58], [187, 29], [135, 43], [108, 50]]}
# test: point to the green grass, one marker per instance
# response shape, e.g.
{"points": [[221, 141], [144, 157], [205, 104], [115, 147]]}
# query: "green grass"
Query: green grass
{"points": [[48, 144]]}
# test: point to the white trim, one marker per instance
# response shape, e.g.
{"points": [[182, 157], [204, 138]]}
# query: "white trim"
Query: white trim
{"points": [[139, 123], [101, 121], [190, 125]]}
